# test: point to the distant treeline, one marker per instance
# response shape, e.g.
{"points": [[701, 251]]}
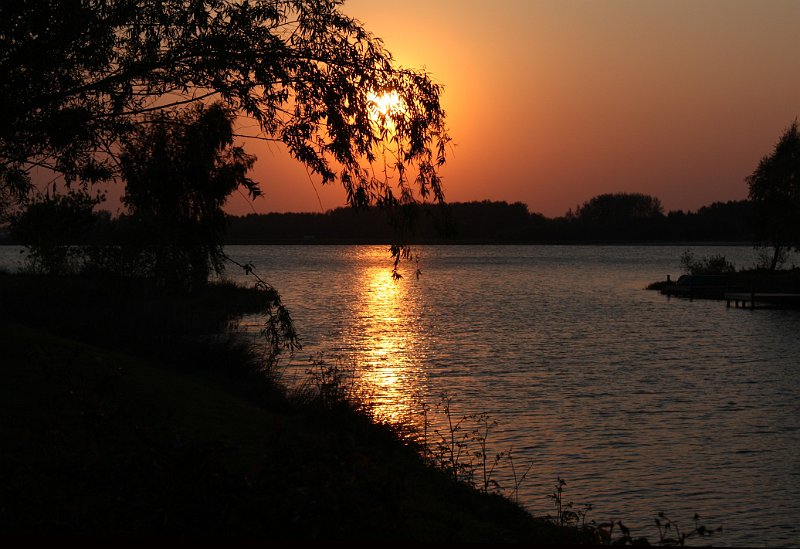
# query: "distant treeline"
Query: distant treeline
{"points": [[609, 217]]}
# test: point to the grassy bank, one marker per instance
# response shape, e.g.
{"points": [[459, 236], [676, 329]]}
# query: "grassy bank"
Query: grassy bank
{"points": [[118, 422]]}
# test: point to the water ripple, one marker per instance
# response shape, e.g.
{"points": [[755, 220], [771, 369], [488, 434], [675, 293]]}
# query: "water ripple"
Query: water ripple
{"points": [[642, 403]]}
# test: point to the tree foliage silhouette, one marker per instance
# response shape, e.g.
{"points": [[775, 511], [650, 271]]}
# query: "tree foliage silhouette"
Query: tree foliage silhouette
{"points": [[77, 75], [620, 215], [774, 191], [179, 171]]}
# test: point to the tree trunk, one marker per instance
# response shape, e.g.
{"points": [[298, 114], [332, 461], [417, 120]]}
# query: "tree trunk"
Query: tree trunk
{"points": [[775, 257]]}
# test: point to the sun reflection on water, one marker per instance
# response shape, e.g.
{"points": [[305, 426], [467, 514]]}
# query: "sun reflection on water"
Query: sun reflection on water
{"points": [[389, 343]]}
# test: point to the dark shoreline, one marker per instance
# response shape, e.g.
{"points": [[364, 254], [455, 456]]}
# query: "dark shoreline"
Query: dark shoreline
{"points": [[474, 242], [367, 242], [123, 418]]}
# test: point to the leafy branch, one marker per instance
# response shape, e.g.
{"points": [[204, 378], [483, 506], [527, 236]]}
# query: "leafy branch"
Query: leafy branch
{"points": [[278, 329]]}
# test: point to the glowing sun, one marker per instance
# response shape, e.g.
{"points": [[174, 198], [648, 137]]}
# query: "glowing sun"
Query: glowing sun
{"points": [[384, 106]]}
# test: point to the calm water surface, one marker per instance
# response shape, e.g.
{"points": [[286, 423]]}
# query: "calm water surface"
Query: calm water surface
{"points": [[642, 403]]}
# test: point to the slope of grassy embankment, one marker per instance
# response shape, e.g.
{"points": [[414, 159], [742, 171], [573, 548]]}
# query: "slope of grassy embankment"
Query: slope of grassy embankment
{"points": [[121, 438]]}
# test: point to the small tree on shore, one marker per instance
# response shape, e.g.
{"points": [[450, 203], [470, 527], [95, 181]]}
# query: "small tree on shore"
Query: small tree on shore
{"points": [[179, 171], [775, 197]]}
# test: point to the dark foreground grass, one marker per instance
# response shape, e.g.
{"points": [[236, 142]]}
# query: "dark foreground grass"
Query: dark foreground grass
{"points": [[99, 441]]}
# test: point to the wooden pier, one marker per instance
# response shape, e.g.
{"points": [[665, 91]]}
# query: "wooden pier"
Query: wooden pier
{"points": [[742, 290], [778, 300]]}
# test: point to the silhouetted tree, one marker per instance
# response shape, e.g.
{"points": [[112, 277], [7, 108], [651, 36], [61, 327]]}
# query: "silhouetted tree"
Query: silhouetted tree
{"points": [[775, 197], [719, 221], [77, 75], [620, 216], [179, 172]]}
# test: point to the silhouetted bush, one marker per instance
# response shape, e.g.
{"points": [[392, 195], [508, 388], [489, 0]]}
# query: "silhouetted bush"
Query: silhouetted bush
{"points": [[715, 264], [56, 230]]}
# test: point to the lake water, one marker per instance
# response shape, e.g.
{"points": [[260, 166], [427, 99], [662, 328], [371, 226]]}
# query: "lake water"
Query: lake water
{"points": [[641, 402]]}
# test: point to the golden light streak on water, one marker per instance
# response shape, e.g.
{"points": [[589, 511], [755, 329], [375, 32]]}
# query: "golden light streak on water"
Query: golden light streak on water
{"points": [[389, 371]]}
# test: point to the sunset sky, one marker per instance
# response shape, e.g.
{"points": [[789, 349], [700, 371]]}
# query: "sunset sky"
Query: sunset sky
{"points": [[553, 102]]}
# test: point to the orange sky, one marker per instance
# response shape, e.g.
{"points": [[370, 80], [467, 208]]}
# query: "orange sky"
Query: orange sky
{"points": [[553, 102]]}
